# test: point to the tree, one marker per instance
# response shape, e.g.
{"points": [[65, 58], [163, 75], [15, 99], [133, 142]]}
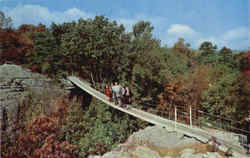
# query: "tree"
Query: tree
{"points": [[185, 91], [225, 52], [207, 52], [146, 77], [142, 61], [244, 81], [182, 47], [45, 56], [70, 44], [207, 48], [92, 48], [245, 63], [221, 98], [5, 22], [171, 69], [59, 30], [14, 46], [141, 28], [226, 57], [25, 28]]}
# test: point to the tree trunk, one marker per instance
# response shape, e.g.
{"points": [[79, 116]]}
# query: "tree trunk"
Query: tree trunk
{"points": [[92, 79]]}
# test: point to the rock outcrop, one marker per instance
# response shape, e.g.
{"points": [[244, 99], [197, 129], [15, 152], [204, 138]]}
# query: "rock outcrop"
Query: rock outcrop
{"points": [[15, 84], [157, 142]]}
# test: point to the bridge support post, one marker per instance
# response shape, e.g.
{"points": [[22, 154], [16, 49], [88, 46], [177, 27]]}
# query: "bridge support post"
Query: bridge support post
{"points": [[175, 117], [190, 116]]}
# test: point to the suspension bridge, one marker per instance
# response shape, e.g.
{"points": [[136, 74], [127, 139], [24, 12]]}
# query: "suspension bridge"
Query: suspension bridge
{"points": [[226, 141]]}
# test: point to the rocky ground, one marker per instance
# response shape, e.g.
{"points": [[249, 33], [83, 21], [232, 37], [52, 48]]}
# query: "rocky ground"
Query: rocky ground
{"points": [[157, 142]]}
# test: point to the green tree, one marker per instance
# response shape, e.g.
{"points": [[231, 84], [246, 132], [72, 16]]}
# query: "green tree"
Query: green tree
{"points": [[5, 22], [45, 53], [171, 69], [143, 62], [221, 98], [207, 53], [226, 57], [146, 77], [93, 47]]}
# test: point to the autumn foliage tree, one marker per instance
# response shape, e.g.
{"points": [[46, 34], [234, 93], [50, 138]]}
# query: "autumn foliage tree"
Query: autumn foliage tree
{"points": [[182, 47], [245, 63], [41, 140], [244, 79], [14, 44], [14, 47], [186, 92]]}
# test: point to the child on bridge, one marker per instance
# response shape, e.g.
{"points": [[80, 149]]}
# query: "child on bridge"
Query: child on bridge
{"points": [[108, 92]]}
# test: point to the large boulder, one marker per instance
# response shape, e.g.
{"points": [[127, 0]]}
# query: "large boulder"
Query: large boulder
{"points": [[144, 152], [189, 153], [158, 142]]}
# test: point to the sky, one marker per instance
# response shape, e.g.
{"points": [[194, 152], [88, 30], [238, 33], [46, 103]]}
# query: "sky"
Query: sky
{"points": [[222, 22]]}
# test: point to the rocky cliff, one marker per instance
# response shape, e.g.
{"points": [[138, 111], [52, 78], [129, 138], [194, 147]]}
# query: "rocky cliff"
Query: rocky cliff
{"points": [[15, 84]]}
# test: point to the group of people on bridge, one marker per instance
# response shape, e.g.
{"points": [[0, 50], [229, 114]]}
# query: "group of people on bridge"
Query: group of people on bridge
{"points": [[118, 94]]}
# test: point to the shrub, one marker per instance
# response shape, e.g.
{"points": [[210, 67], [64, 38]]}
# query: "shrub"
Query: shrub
{"points": [[41, 141], [98, 129]]}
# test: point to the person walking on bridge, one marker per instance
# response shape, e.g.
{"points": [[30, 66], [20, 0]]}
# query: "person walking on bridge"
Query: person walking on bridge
{"points": [[108, 92], [127, 95], [117, 93]]}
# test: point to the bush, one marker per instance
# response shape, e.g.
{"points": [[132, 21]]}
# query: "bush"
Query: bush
{"points": [[98, 129], [41, 141]]}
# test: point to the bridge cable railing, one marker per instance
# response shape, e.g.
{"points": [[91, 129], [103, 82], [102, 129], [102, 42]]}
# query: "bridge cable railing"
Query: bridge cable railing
{"points": [[200, 113], [222, 129], [203, 118]]}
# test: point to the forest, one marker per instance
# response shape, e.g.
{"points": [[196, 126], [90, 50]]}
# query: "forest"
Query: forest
{"points": [[215, 81]]}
